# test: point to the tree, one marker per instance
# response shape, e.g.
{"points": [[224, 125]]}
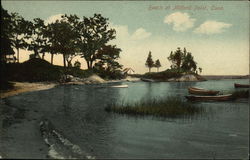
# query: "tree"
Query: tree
{"points": [[108, 56], [77, 64], [6, 33], [188, 63], [176, 58], [37, 39], [149, 62], [182, 61], [200, 69], [94, 34], [62, 39], [20, 32], [157, 64]]}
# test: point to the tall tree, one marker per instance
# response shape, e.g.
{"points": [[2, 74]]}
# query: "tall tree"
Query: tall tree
{"points": [[37, 40], [108, 56], [182, 60], [20, 31], [157, 64], [188, 63], [149, 62], [62, 39], [176, 58], [94, 34], [6, 34]]}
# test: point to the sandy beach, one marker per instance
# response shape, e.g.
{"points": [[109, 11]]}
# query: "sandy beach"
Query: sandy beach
{"points": [[20, 135], [21, 87]]}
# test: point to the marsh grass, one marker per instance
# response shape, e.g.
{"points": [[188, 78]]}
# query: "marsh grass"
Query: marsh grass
{"points": [[167, 107], [240, 94]]}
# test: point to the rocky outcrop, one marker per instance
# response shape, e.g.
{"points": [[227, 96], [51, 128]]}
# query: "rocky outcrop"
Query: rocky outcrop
{"points": [[94, 79], [187, 78]]}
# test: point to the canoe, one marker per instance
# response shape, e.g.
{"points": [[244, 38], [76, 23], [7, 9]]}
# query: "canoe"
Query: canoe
{"points": [[147, 80], [120, 86], [236, 85], [210, 98], [200, 91]]}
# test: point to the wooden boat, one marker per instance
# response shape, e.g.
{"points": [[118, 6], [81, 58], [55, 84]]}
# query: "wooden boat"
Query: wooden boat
{"points": [[210, 98], [120, 86], [236, 85], [147, 80], [200, 91]]}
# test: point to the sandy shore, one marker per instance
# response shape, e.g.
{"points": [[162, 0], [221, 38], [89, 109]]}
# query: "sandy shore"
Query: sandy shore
{"points": [[21, 87], [19, 127]]}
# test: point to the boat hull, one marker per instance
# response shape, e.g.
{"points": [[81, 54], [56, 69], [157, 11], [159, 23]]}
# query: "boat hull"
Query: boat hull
{"points": [[236, 85], [210, 98], [199, 91]]}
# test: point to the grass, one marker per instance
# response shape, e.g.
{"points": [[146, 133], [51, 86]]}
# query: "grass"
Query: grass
{"points": [[240, 94], [167, 107]]}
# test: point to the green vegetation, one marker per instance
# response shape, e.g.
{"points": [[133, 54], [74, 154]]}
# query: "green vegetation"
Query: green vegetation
{"points": [[38, 70], [157, 64], [183, 61], [70, 36], [167, 107], [149, 62], [240, 94], [164, 75]]}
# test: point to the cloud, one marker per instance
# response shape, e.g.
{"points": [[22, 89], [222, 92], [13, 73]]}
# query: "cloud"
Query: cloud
{"points": [[180, 21], [140, 34], [212, 27], [123, 35], [53, 18]]}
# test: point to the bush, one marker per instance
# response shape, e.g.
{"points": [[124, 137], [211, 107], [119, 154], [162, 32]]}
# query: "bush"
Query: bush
{"points": [[33, 70]]}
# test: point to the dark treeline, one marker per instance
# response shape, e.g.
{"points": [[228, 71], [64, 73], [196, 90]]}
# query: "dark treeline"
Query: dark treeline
{"points": [[70, 36], [181, 62]]}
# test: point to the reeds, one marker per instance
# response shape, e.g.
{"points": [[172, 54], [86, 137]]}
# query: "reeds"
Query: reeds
{"points": [[167, 107]]}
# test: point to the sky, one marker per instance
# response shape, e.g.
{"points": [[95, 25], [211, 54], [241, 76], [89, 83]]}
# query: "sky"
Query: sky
{"points": [[215, 32]]}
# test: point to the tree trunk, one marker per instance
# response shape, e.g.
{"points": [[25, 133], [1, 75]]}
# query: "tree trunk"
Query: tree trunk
{"points": [[157, 69], [43, 55], [17, 55], [52, 56], [64, 60], [149, 69]]}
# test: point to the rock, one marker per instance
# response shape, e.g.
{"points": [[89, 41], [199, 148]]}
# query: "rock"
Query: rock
{"points": [[188, 77], [94, 79]]}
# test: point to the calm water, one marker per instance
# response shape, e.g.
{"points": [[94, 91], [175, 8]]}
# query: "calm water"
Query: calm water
{"points": [[78, 113]]}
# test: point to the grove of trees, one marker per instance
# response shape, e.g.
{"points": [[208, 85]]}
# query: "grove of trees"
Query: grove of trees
{"points": [[181, 61], [70, 36]]}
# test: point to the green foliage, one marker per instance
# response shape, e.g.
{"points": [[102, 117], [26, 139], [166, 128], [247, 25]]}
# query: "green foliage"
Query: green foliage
{"points": [[240, 94], [167, 107], [62, 39], [157, 64], [182, 61], [33, 70], [149, 62], [6, 34], [94, 34], [164, 75], [77, 64]]}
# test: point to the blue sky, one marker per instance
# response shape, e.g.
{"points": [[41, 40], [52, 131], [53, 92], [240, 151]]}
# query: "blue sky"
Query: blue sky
{"points": [[217, 38]]}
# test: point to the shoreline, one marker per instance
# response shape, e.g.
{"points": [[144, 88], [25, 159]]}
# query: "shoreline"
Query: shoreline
{"points": [[22, 87]]}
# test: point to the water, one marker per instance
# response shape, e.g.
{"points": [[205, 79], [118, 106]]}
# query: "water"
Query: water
{"points": [[77, 113]]}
